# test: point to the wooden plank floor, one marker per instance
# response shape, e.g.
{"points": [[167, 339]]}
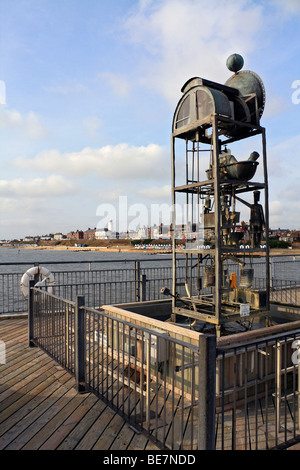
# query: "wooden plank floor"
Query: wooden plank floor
{"points": [[255, 429], [40, 408]]}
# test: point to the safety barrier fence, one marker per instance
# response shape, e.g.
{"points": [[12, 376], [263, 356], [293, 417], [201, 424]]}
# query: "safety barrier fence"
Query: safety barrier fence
{"points": [[115, 285], [138, 282], [155, 381], [285, 292], [258, 391], [185, 390]]}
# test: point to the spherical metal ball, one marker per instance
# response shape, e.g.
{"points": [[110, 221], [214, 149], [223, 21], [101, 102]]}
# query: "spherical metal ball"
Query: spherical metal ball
{"points": [[235, 62]]}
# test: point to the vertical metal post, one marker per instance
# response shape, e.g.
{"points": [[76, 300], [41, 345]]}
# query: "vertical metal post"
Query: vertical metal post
{"points": [[266, 219], [216, 176], [67, 335], [278, 385], [148, 372], [271, 274], [143, 287], [298, 371], [30, 314], [36, 276], [173, 175], [80, 375], [137, 274], [207, 392]]}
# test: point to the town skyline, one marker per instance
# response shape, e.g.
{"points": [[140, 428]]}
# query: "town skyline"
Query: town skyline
{"points": [[155, 233]]}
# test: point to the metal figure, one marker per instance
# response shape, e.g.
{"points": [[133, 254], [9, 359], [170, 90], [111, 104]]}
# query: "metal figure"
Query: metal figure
{"points": [[257, 219]]}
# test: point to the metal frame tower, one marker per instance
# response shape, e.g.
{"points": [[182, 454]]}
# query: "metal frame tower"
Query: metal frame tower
{"points": [[219, 284]]}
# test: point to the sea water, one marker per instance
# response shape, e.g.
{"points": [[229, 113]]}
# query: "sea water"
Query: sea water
{"points": [[281, 267]]}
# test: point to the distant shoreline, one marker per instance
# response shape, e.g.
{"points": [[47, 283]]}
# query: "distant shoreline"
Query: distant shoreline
{"points": [[127, 249], [116, 249]]}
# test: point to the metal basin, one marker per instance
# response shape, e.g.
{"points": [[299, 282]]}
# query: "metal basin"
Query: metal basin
{"points": [[241, 170]]}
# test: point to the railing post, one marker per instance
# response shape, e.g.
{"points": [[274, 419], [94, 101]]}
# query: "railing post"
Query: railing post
{"points": [[137, 273], [30, 314], [143, 288], [80, 376], [36, 276], [207, 392]]}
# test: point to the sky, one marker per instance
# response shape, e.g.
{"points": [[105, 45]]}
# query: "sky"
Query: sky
{"points": [[88, 89]]}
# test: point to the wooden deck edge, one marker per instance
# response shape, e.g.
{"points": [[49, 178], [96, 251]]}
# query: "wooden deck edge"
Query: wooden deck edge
{"points": [[13, 316]]}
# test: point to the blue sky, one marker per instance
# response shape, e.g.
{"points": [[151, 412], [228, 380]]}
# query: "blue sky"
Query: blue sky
{"points": [[90, 91]]}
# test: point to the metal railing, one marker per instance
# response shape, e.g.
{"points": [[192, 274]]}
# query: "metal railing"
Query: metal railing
{"points": [[154, 381], [258, 393], [285, 292], [124, 284], [135, 281], [239, 392], [52, 326]]}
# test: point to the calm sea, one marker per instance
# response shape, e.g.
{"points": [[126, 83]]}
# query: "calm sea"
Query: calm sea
{"points": [[282, 267], [72, 259]]}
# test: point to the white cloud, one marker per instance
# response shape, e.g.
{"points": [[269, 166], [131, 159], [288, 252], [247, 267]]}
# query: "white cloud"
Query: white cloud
{"points": [[118, 83], [276, 208], [30, 123], [284, 213], [53, 186], [9, 205], [66, 89], [290, 192], [159, 193], [2, 92], [109, 162], [274, 105], [111, 194], [10, 118], [291, 6], [92, 124], [193, 38], [283, 162], [33, 126]]}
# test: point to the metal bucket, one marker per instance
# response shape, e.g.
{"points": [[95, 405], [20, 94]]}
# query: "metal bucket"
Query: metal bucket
{"points": [[209, 276], [198, 283], [246, 277]]}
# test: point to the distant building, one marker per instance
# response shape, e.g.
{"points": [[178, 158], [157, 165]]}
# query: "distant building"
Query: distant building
{"points": [[142, 232], [110, 226], [78, 235], [278, 232], [28, 238], [295, 236], [59, 236], [46, 237], [155, 232], [89, 234], [102, 234]]}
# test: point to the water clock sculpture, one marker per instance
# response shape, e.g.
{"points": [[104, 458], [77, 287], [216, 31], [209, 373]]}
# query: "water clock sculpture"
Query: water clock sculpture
{"points": [[220, 200]]}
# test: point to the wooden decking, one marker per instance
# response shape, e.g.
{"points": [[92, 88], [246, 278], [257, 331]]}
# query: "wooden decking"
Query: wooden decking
{"points": [[40, 408]]}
